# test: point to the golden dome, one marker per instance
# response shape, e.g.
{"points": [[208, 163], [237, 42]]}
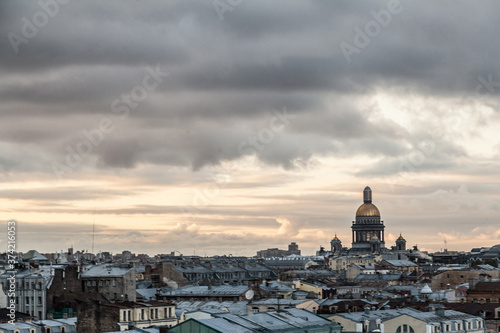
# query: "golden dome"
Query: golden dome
{"points": [[368, 209]]}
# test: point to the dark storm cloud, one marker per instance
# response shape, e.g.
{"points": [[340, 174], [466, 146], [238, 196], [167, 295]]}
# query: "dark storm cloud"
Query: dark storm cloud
{"points": [[226, 77]]}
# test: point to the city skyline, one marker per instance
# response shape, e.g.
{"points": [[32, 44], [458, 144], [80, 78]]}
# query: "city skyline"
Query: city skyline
{"points": [[221, 127]]}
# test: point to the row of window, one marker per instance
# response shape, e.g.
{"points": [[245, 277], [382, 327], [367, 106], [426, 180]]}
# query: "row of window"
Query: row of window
{"points": [[27, 285], [448, 328], [93, 283], [154, 314], [32, 300]]}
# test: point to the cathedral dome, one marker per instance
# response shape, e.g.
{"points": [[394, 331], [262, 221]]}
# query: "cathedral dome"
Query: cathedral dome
{"points": [[367, 209]]}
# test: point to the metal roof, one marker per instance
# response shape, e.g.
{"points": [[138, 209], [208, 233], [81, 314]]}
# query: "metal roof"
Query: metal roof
{"points": [[401, 263], [224, 290], [104, 271]]}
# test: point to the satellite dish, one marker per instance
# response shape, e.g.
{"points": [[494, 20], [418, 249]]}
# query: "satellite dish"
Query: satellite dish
{"points": [[249, 294]]}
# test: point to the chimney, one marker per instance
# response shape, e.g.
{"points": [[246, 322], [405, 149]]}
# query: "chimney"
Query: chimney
{"points": [[367, 309], [387, 307], [472, 283], [439, 310]]}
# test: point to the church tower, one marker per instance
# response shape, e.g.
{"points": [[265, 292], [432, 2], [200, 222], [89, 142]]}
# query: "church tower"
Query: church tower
{"points": [[401, 243], [336, 246], [368, 229]]}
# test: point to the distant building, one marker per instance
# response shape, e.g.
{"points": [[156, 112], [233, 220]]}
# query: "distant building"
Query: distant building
{"points": [[31, 290], [114, 283], [401, 266], [484, 292], [368, 233], [209, 293], [119, 316], [407, 320], [281, 264], [293, 248], [34, 257], [284, 321], [451, 278], [42, 326], [184, 272], [275, 304]]}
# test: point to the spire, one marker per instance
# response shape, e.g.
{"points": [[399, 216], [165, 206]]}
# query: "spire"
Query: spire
{"points": [[367, 195]]}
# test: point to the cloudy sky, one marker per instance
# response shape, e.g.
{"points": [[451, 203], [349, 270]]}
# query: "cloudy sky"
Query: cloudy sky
{"points": [[232, 126]]}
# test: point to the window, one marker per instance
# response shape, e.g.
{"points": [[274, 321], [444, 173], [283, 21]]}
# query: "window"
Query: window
{"points": [[129, 315], [151, 314], [142, 313], [27, 300], [40, 300], [107, 283], [114, 283], [94, 283], [47, 330], [405, 329], [100, 283], [255, 309], [89, 283], [63, 329], [124, 315], [170, 312], [156, 313]]}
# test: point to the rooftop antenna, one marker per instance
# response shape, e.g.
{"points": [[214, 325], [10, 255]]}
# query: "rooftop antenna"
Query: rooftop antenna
{"points": [[93, 230], [445, 245]]}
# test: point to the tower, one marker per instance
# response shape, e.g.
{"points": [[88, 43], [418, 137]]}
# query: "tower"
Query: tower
{"points": [[401, 243], [336, 245], [368, 226]]}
